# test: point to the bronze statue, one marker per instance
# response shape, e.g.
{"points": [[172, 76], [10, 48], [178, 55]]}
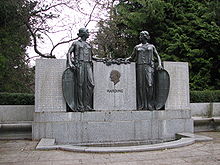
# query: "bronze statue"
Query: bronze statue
{"points": [[78, 84], [143, 54], [79, 93]]}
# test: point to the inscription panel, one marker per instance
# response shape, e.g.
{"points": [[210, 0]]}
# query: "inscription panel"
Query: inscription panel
{"points": [[179, 85], [115, 86], [48, 85]]}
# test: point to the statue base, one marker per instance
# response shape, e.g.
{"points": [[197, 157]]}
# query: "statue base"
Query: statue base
{"points": [[119, 121], [111, 126]]}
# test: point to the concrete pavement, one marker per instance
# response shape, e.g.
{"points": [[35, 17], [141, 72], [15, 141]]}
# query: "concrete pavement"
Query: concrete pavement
{"points": [[22, 152]]}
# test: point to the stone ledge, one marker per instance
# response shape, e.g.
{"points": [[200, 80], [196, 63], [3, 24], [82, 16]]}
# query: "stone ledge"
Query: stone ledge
{"points": [[202, 120], [185, 139], [205, 109], [16, 136], [45, 142], [167, 145], [18, 126], [216, 119], [198, 138], [206, 123], [111, 131], [16, 113], [16, 131], [103, 116]]}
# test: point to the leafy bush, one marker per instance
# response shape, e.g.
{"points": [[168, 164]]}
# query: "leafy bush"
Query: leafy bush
{"points": [[16, 99], [205, 96], [28, 99]]}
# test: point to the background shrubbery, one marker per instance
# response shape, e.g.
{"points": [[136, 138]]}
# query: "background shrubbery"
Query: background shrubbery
{"points": [[28, 99], [181, 30], [16, 99], [205, 96]]}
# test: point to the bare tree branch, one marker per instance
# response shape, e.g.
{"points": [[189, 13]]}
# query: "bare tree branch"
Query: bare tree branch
{"points": [[49, 38], [35, 43], [90, 16], [64, 42], [48, 8], [39, 21], [29, 58], [60, 43]]}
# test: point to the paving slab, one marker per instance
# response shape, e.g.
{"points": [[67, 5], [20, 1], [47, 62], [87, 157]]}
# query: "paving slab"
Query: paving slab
{"points": [[23, 152], [184, 139]]}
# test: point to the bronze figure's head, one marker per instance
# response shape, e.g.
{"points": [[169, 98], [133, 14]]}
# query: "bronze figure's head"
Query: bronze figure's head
{"points": [[115, 76], [83, 33], [144, 36]]}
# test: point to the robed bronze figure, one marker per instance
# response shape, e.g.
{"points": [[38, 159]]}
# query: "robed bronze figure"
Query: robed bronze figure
{"points": [[144, 55], [78, 83]]}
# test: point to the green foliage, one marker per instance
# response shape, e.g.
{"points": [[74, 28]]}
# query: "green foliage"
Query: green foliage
{"points": [[15, 75], [16, 99], [110, 44], [204, 96], [182, 30]]}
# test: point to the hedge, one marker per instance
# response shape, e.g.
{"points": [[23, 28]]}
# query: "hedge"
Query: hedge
{"points": [[16, 99], [28, 99], [205, 96]]}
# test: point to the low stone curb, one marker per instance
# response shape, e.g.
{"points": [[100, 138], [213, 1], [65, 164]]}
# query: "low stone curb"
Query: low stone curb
{"points": [[206, 124], [187, 139], [16, 126], [16, 136], [198, 138], [21, 130]]}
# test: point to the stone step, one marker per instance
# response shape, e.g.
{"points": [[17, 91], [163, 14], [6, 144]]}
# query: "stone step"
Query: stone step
{"points": [[16, 136], [206, 124], [16, 130], [19, 126]]}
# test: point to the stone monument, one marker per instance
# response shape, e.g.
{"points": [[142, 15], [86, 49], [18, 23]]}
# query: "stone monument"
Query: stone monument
{"points": [[114, 117]]}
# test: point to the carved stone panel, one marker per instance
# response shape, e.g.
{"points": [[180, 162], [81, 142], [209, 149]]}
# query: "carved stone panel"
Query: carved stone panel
{"points": [[178, 97], [48, 85], [115, 86]]}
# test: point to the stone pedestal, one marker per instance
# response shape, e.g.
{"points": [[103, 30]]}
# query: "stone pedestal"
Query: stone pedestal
{"points": [[115, 86], [115, 99], [111, 126]]}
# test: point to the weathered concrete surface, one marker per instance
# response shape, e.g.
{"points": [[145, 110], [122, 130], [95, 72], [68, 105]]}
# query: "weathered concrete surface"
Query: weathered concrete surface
{"points": [[205, 109], [184, 139], [178, 97], [206, 116], [200, 109], [114, 126], [48, 85], [22, 152], [16, 121], [13, 113], [133, 148], [215, 109]]}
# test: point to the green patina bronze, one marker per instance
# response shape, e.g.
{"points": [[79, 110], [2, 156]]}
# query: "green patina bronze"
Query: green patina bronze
{"points": [[161, 88], [144, 54], [152, 80], [78, 93]]}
